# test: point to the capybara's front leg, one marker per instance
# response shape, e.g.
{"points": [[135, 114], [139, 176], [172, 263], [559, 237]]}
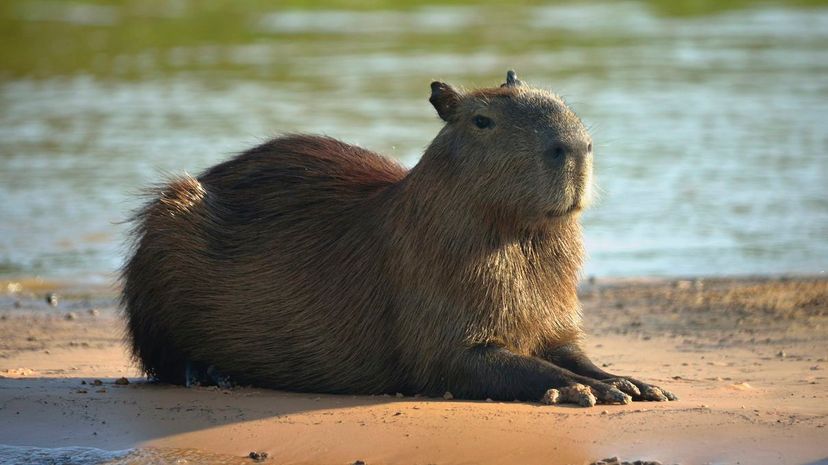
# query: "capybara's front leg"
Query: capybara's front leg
{"points": [[494, 372], [572, 357]]}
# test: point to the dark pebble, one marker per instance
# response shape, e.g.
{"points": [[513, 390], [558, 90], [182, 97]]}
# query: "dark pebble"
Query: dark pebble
{"points": [[617, 461]]}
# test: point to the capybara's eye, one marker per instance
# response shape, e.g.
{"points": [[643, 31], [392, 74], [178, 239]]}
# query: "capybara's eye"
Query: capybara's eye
{"points": [[482, 122]]}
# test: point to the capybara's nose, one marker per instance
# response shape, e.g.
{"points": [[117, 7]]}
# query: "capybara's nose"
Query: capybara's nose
{"points": [[560, 150]]}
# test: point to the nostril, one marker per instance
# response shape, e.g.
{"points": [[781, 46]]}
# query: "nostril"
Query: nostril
{"points": [[589, 148]]}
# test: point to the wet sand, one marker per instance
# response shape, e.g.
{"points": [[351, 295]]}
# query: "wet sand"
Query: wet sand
{"points": [[748, 358]]}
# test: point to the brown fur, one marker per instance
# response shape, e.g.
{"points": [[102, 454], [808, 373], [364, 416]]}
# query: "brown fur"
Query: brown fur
{"points": [[312, 265]]}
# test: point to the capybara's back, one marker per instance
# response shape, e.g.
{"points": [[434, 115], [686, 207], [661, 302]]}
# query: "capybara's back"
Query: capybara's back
{"points": [[263, 267], [312, 265]]}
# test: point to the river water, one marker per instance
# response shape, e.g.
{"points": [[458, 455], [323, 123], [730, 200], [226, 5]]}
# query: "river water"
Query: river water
{"points": [[23, 455], [709, 125]]}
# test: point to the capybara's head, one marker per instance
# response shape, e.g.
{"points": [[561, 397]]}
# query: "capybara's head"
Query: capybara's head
{"points": [[519, 150]]}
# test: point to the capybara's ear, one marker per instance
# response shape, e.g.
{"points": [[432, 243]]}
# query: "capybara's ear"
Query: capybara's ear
{"points": [[444, 98]]}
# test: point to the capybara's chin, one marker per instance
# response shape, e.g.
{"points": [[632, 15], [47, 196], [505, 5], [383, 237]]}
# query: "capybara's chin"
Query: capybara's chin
{"points": [[309, 264], [579, 200]]}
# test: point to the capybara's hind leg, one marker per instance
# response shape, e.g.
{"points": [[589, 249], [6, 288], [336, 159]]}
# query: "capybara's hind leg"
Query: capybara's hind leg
{"points": [[573, 358], [494, 372], [196, 374]]}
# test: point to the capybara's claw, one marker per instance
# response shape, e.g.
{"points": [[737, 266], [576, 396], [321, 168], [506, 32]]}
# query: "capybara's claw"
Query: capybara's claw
{"points": [[654, 393], [551, 397], [670, 395], [607, 393], [578, 394], [615, 396], [624, 385], [641, 391], [585, 400]]}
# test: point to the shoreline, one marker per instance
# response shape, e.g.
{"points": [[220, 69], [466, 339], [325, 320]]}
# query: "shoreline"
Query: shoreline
{"points": [[747, 357]]}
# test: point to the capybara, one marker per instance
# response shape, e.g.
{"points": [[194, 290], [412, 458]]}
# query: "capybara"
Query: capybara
{"points": [[308, 264]]}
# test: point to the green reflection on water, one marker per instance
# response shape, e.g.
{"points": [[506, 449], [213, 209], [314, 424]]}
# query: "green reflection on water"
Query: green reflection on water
{"points": [[133, 39]]}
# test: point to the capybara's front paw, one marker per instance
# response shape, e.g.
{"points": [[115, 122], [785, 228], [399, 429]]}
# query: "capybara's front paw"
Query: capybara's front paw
{"points": [[575, 394], [586, 395], [641, 391]]}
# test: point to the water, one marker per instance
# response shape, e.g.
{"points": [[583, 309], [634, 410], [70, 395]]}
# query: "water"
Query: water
{"points": [[23, 455], [709, 125]]}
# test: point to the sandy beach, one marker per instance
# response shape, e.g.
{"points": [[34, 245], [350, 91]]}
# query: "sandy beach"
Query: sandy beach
{"points": [[747, 357]]}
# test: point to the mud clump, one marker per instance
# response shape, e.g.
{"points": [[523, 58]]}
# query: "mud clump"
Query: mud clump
{"points": [[122, 381]]}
